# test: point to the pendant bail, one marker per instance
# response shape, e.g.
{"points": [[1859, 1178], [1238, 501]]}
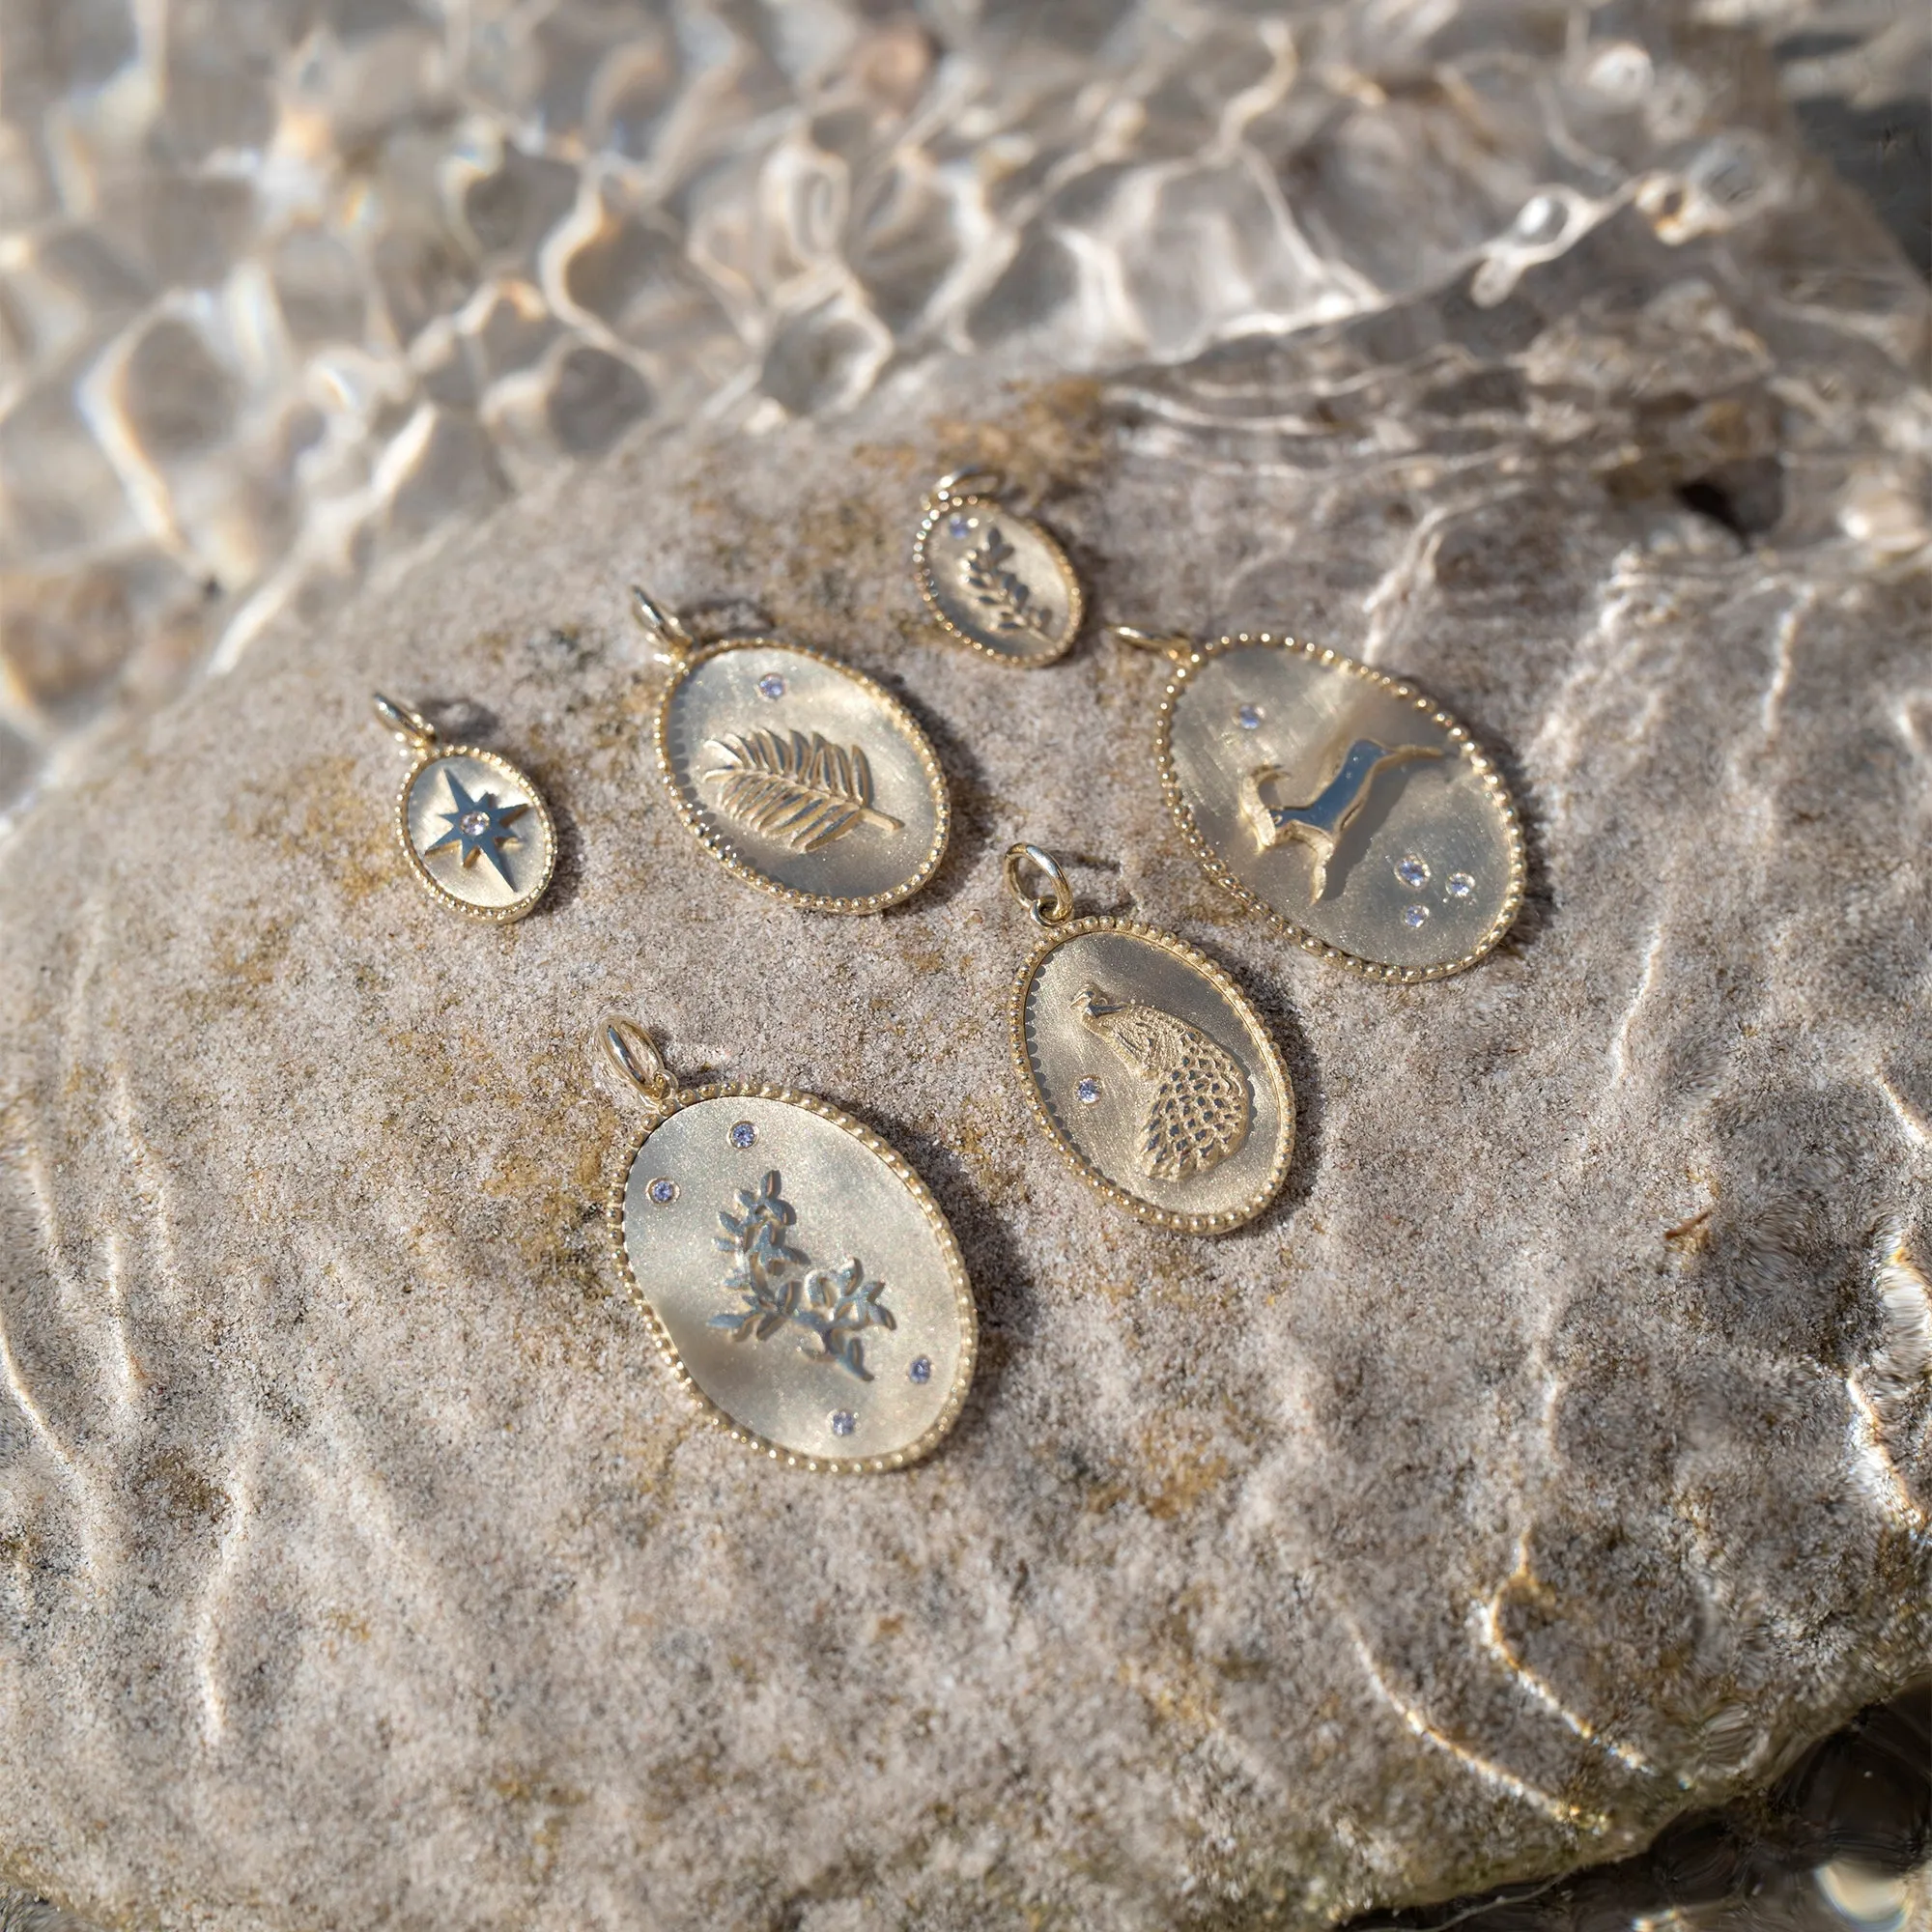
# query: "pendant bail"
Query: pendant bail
{"points": [[958, 484], [630, 1050], [414, 731], [671, 642], [1053, 908]]}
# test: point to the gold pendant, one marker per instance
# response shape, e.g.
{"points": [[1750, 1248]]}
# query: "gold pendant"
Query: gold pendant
{"points": [[798, 1277], [797, 773], [993, 578], [1352, 810], [1147, 1065], [474, 830]]}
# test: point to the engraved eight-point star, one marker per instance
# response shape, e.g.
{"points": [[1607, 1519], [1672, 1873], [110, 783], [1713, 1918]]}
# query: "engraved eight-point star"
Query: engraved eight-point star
{"points": [[479, 825]]}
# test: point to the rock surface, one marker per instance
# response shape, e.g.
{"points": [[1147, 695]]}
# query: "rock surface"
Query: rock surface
{"points": [[1553, 1457]]}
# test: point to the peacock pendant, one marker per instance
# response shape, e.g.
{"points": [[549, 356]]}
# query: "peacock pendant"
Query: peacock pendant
{"points": [[1147, 1064], [1342, 803], [797, 773]]}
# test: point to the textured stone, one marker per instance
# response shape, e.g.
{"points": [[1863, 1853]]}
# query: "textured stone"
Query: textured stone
{"points": [[1553, 1457]]}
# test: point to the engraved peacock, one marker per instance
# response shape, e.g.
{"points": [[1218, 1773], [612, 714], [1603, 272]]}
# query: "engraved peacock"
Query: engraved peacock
{"points": [[1195, 1105], [777, 1284], [801, 791], [1006, 597]]}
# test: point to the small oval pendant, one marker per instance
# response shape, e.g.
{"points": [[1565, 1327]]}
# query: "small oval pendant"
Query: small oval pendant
{"points": [[994, 579], [798, 1276], [475, 831], [1154, 1075], [801, 775], [1344, 804]]}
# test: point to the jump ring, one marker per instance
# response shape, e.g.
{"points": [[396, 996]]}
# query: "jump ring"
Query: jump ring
{"points": [[629, 1049], [1054, 907]]}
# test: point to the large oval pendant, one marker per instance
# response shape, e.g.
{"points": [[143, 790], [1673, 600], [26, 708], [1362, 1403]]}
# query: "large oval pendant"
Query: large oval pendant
{"points": [[1344, 804], [802, 776], [477, 833], [1157, 1080], [799, 1277], [996, 580]]}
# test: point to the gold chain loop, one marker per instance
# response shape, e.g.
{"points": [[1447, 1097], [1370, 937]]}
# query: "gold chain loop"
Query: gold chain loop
{"points": [[1053, 908]]}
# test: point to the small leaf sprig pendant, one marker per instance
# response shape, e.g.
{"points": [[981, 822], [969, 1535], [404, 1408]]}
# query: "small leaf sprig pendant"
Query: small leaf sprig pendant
{"points": [[991, 577], [1342, 804], [1146, 1064], [798, 773], [474, 831], [799, 1279]]}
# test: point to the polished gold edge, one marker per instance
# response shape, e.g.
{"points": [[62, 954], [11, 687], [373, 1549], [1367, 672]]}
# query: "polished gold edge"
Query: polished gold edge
{"points": [[908, 1177], [1310, 943], [1076, 596], [518, 908], [715, 841], [1223, 983]]}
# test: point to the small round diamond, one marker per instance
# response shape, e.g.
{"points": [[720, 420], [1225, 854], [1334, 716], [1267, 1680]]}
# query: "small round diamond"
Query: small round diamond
{"points": [[843, 1422], [663, 1190], [744, 1134], [921, 1371], [1413, 871], [960, 526], [771, 684], [1415, 915], [1089, 1090], [474, 823], [1249, 718], [1459, 884]]}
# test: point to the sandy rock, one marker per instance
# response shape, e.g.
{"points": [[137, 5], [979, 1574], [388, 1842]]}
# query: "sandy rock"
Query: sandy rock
{"points": [[1555, 1457]]}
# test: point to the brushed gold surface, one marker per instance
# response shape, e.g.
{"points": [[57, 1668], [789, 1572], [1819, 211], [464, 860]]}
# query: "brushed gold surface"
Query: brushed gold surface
{"points": [[1105, 1139], [1435, 806], [734, 700], [997, 581], [476, 888], [853, 1199]]}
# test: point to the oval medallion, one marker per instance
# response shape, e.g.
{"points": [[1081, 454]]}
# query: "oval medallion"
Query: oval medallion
{"points": [[802, 776], [997, 581], [477, 833], [1155, 1077], [1343, 803], [799, 1277]]}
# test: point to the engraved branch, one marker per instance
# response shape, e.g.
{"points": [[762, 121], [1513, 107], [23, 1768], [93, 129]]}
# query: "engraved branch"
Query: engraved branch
{"points": [[777, 1284], [802, 792], [1006, 598]]}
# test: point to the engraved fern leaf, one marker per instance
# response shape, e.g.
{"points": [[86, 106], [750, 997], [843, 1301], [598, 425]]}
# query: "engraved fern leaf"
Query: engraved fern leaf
{"points": [[801, 792], [1005, 598]]}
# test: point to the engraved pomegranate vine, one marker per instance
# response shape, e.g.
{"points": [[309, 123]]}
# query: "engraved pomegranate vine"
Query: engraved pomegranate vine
{"points": [[779, 1284]]}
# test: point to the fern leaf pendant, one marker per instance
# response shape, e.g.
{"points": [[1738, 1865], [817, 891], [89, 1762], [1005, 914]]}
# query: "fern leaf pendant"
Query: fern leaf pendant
{"points": [[801, 791]]}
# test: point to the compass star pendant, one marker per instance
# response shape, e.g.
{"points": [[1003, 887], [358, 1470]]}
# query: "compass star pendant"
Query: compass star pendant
{"points": [[459, 805]]}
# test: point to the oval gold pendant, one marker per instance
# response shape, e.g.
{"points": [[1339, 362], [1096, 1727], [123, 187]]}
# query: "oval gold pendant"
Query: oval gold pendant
{"points": [[992, 578], [1344, 804], [798, 1276], [475, 831], [801, 775], [1151, 1070]]}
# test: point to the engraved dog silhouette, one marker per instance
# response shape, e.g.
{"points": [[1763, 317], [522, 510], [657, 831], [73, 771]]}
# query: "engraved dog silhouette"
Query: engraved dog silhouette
{"points": [[1320, 823]]}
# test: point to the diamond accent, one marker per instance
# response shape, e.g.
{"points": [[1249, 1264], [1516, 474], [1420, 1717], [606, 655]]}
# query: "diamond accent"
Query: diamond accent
{"points": [[960, 526], [1249, 718], [771, 684], [1415, 916], [663, 1190], [476, 823], [1459, 884], [843, 1422], [744, 1134], [1089, 1090], [921, 1371], [1413, 871]]}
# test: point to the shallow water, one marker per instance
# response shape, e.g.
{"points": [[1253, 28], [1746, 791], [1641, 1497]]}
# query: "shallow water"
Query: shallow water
{"points": [[286, 290]]}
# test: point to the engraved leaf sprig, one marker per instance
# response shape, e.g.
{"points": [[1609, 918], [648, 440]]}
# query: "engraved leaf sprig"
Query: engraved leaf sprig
{"points": [[777, 1284], [801, 791], [1006, 598]]}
